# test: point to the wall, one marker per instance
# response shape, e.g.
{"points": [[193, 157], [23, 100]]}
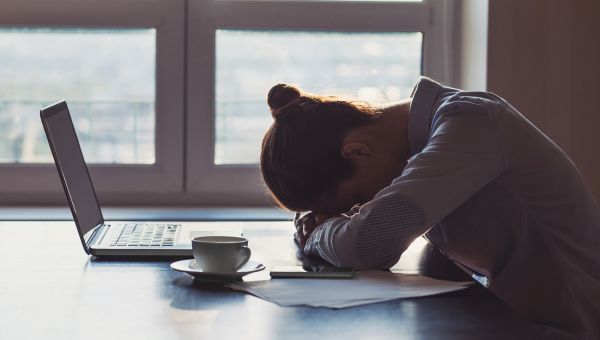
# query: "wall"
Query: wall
{"points": [[544, 57], [471, 40]]}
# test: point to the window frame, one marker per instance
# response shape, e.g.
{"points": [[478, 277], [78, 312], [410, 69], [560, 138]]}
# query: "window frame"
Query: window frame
{"points": [[243, 183], [184, 172], [38, 183]]}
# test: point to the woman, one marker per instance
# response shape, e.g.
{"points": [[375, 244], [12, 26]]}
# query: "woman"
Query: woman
{"points": [[465, 169]]}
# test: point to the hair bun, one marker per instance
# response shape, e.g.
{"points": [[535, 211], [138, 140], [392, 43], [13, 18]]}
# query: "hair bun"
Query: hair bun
{"points": [[281, 96]]}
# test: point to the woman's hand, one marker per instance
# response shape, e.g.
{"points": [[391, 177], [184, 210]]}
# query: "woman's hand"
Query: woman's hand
{"points": [[306, 224]]}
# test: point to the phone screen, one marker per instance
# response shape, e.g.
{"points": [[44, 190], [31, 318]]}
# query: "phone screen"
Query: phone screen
{"points": [[317, 272]]}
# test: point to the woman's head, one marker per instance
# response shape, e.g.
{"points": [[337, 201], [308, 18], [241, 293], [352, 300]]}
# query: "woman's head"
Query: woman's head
{"points": [[301, 159]]}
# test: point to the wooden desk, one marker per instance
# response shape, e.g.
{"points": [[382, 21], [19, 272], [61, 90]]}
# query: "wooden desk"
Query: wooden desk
{"points": [[49, 289]]}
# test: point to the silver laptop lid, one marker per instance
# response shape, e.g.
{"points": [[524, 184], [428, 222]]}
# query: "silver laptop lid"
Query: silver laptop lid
{"points": [[72, 169]]}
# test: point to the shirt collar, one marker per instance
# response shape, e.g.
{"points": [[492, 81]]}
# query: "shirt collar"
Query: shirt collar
{"points": [[421, 109]]}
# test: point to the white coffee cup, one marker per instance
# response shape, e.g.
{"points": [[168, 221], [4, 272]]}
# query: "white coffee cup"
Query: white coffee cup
{"points": [[220, 254]]}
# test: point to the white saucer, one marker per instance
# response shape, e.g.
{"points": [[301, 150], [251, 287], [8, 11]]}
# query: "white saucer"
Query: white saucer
{"points": [[190, 267]]}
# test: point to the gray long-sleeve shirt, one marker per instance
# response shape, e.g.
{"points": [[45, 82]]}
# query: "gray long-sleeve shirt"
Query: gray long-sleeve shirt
{"points": [[497, 197]]}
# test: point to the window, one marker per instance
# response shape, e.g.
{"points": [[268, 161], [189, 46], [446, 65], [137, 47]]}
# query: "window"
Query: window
{"points": [[120, 68], [235, 47], [168, 96], [107, 77]]}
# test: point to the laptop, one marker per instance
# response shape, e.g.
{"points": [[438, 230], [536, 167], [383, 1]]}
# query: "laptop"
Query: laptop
{"points": [[114, 238]]}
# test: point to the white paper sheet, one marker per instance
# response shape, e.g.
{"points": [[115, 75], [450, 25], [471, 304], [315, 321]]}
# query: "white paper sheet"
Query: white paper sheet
{"points": [[367, 287]]}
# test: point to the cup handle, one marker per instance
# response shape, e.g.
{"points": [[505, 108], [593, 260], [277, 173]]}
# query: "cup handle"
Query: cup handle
{"points": [[246, 256]]}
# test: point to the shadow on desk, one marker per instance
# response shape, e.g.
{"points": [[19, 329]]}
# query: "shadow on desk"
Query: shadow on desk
{"points": [[215, 311], [52, 290]]}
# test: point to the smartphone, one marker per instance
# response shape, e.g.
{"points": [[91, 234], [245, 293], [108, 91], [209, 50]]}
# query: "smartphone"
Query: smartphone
{"points": [[313, 272]]}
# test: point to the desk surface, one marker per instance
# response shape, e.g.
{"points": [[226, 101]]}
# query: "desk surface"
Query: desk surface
{"points": [[49, 289]]}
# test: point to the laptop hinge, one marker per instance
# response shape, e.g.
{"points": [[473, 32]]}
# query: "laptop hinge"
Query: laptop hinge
{"points": [[92, 236]]}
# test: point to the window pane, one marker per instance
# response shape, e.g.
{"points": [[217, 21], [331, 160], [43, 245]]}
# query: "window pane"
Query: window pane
{"points": [[107, 78], [367, 66]]}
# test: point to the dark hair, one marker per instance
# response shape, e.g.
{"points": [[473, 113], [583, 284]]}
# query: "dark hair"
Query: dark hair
{"points": [[301, 158]]}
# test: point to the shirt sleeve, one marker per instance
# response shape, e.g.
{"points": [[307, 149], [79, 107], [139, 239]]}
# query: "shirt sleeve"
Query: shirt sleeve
{"points": [[462, 155]]}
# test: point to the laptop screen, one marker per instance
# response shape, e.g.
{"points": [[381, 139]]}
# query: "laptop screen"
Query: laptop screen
{"points": [[71, 167]]}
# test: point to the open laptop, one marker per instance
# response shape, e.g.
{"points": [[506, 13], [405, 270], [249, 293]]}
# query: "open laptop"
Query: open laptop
{"points": [[103, 238]]}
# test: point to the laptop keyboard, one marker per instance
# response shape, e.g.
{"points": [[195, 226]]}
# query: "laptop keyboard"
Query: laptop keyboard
{"points": [[144, 235]]}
